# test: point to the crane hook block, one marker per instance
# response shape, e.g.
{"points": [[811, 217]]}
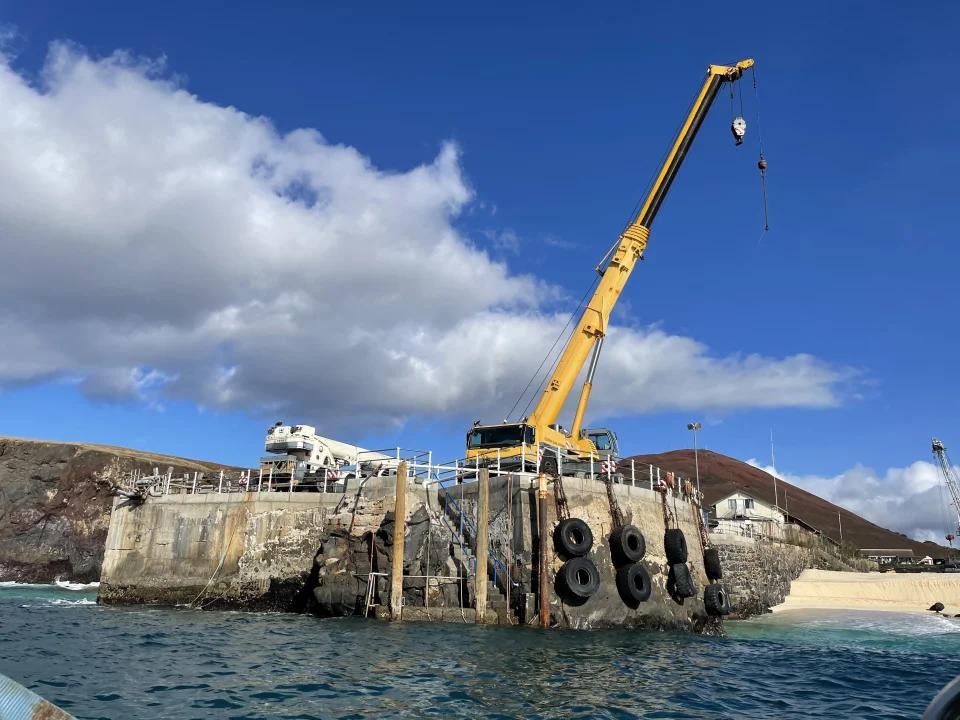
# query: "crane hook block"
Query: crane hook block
{"points": [[739, 129]]}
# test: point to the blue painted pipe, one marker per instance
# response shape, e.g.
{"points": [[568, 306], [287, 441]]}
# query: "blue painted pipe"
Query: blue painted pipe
{"points": [[18, 703]]}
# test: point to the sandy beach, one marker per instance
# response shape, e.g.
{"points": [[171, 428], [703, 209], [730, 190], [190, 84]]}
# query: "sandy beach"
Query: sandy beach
{"points": [[911, 593]]}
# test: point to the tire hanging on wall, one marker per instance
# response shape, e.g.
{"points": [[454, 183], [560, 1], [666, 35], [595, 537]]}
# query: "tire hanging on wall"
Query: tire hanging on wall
{"points": [[682, 581], [716, 600], [577, 579], [633, 584], [627, 545], [711, 564], [573, 538], [676, 546]]}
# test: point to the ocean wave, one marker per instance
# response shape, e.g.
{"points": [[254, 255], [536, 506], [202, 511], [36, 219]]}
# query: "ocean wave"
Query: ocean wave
{"points": [[56, 584], [59, 602], [67, 585]]}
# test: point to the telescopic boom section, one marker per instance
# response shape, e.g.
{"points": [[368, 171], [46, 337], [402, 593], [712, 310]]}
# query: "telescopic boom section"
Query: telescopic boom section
{"points": [[593, 324]]}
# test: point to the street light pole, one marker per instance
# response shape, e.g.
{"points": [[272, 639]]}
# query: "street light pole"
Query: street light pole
{"points": [[696, 460]]}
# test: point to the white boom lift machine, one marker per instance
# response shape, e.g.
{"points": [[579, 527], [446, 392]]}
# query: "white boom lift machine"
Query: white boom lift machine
{"points": [[298, 450]]}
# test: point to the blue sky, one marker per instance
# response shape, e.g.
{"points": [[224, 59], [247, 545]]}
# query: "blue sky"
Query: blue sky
{"points": [[560, 117]]}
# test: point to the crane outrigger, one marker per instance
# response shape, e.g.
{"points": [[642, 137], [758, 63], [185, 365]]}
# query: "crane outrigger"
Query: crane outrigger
{"points": [[516, 444]]}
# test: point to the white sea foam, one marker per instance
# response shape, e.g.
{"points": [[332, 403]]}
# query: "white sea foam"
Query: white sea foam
{"points": [[67, 585]]}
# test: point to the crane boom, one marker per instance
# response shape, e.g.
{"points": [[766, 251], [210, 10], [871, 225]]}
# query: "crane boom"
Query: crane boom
{"points": [[593, 323], [949, 477], [540, 427]]}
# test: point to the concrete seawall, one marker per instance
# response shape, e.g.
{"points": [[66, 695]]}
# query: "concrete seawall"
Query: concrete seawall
{"points": [[330, 554], [759, 574]]}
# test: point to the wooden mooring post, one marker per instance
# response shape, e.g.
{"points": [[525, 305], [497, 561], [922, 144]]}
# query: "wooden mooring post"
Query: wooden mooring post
{"points": [[483, 514], [399, 525]]}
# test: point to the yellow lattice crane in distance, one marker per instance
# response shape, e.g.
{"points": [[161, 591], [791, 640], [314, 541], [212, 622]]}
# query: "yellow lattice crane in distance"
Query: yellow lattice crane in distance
{"points": [[506, 443]]}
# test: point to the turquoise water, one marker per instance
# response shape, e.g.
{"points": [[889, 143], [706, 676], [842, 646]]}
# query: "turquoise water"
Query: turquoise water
{"points": [[108, 662]]}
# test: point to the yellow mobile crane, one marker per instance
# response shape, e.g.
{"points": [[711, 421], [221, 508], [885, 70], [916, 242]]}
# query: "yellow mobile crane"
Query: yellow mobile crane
{"points": [[513, 445]]}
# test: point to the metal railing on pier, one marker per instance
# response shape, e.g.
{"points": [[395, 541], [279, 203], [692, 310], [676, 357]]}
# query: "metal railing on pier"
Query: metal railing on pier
{"points": [[421, 469]]}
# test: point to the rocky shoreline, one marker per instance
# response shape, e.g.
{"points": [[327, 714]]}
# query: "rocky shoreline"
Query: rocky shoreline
{"points": [[55, 501]]}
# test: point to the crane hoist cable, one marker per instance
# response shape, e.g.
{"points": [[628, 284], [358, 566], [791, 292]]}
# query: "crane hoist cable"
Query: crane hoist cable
{"points": [[550, 351], [762, 165]]}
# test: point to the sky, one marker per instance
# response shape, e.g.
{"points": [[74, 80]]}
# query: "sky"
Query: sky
{"points": [[376, 221]]}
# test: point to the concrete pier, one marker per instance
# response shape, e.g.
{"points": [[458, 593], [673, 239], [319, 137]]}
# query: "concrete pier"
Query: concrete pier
{"points": [[333, 554]]}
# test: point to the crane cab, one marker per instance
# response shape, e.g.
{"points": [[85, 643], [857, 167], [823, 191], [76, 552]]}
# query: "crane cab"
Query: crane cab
{"points": [[604, 440]]}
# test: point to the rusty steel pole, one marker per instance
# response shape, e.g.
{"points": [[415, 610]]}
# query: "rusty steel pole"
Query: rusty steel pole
{"points": [[399, 525], [542, 522]]}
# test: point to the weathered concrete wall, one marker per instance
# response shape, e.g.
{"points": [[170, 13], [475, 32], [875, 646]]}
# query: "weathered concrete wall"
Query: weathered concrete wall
{"points": [[237, 550], [167, 550]]}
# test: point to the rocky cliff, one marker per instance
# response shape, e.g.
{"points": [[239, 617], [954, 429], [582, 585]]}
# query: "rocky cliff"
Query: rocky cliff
{"points": [[55, 501]]}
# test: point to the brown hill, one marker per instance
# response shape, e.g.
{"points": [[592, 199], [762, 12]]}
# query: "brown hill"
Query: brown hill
{"points": [[55, 502], [721, 475]]}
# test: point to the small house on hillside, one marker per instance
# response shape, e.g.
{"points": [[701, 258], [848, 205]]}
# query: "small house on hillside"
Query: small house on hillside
{"points": [[740, 513]]}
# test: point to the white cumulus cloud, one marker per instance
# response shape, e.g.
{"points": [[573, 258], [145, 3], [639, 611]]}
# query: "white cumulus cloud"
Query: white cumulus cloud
{"points": [[910, 500], [158, 245]]}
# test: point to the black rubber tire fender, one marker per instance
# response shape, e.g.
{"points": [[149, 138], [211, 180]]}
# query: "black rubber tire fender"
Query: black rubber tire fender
{"points": [[573, 538], [578, 579], [676, 546], [633, 584], [627, 545], [716, 600], [711, 564], [682, 581]]}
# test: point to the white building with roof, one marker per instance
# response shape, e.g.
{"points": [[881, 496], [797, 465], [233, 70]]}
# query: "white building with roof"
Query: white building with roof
{"points": [[741, 513]]}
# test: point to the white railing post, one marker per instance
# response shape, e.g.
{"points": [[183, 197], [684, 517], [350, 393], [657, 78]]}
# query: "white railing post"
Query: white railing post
{"points": [[523, 456], [325, 476], [429, 469], [559, 463], [290, 489], [609, 466], [220, 486], [591, 464], [260, 481], [193, 490], [270, 479], [633, 473]]}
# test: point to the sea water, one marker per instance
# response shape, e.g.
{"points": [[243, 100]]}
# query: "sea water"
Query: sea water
{"points": [[138, 662]]}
